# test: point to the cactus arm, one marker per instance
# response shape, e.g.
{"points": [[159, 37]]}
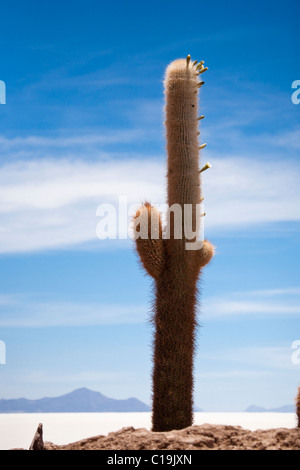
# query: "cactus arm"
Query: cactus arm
{"points": [[148, 239], [205, 254]]}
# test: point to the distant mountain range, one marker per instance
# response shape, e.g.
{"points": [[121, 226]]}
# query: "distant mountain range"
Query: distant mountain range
{"points": [[80, 400], [84, 400], [281, 409]]}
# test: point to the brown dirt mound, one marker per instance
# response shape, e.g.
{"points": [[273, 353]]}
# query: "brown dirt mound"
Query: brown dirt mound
{"points": [[204, 437]]}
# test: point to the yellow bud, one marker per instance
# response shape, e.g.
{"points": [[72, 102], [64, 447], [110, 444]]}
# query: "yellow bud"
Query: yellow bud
{"points": [[202, 70], [200, 148], [206, 167]]}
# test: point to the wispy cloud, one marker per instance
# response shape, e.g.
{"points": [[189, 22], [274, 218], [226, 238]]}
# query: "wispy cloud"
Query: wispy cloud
{"points": [[241, 190], [233, 374], [243, 307], [51, 185], [273, 292], [265, 302], [287, 139], [105, 137], [52, 203], [248, 360], [18, 310], [22, 311], [101, 377]]}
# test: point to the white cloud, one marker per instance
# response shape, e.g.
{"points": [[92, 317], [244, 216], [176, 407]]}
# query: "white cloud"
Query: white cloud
{"points": [[274, 292], [48, 202], [30, 311], [63, 142], [287, 139], [235, 307], [53, 203], [24, 312], [266, 302], [263, 358], [248, 191]]}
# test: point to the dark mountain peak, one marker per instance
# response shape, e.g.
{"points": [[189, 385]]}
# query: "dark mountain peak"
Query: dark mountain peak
{"points": [[79, 400]]}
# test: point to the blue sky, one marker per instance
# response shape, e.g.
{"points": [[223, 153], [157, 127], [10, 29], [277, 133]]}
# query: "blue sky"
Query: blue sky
{"points": [[83, 125]]}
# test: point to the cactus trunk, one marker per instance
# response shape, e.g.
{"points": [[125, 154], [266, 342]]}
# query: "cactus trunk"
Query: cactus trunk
{"points": [[298, 407], [173, 351], [174, 267]]}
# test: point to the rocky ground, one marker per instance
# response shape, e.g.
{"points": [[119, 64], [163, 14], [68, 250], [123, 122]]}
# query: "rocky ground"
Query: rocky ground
{"points": [[204, 437]]}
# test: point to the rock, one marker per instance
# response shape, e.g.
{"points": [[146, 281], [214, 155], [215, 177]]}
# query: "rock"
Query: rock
{"points": [[204, 437], [37, 442]]}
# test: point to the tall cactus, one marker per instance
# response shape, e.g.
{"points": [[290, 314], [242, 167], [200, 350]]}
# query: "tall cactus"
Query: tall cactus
{"points": [[175, 268], [298, 407]]}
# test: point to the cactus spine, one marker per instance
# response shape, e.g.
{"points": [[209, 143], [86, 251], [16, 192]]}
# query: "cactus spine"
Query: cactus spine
{"points": [[174, 268]]}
